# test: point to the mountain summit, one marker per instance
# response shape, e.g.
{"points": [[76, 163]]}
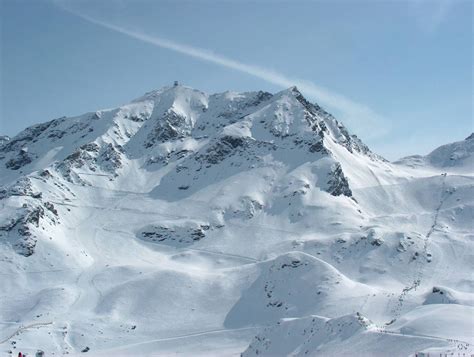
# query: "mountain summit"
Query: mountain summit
{"points": [[179, 114], [246, 219], [179, 140]]}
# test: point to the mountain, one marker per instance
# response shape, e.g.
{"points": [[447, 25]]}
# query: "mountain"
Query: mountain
{"points": [[458, 155], [202, 224]]}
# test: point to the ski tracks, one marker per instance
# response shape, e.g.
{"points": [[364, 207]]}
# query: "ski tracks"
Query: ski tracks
{"points": [[420, 264], [24, 328]]}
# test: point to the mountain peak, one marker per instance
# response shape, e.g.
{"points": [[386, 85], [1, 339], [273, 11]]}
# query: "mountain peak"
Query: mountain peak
{"points": [[172, 91], [167, 120], [292, 91]]}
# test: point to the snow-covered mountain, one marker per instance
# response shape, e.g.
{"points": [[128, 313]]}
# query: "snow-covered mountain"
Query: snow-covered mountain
{"points": [[458, 155], [230, 223]]}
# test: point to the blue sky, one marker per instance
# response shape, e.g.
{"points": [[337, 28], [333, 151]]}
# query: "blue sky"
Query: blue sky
{"points": [[398, 73]]}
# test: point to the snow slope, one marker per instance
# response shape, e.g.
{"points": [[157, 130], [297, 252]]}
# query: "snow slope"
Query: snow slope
{"points": [[195, 224]]}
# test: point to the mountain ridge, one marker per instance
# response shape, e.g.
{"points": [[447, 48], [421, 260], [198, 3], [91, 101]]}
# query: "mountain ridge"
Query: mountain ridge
{"points": [[458, 154]]}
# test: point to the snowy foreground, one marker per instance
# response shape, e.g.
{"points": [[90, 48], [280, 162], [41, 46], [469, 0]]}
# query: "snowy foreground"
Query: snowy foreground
{"points": [[193, 224]]}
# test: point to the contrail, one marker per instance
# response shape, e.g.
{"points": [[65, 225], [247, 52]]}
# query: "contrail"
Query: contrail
{"points": [[358, 116]]}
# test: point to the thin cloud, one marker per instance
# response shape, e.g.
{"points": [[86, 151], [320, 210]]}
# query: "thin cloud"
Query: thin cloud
{"points": [[358, 116], [432, 13]]}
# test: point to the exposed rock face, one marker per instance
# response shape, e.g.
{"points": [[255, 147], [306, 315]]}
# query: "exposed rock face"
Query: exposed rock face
{"points": [[338, 184], [24, 225], [17, 162], [247, 208], [106, 158], [171, 126], [222, 148], [175, 235], [110, 158], [318, 147]]}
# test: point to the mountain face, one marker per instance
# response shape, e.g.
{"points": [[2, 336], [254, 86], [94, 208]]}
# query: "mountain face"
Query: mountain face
{"points": [[191, 223]]}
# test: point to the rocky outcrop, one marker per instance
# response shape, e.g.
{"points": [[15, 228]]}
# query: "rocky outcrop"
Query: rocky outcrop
{"points": [[23, 227], [170, 126], [223, 148], [21, 159], [106, 158], [185, 234], [337, 182]]}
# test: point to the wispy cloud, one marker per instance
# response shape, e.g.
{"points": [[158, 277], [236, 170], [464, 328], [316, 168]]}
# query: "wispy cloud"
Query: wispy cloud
{"points": [[357, 116], [432, 13]]}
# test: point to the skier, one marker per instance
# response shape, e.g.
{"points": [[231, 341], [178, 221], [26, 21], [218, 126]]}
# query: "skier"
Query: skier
{"points": [[20, 354]]}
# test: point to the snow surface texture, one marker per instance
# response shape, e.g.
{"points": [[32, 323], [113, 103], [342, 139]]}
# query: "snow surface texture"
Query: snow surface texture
{"points": [[194, 224]]}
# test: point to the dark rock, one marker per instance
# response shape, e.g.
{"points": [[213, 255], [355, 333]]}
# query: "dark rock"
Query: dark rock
{"points": [[51, 208], [22, 159], [110, 158], [294, 264], [27, 135], [182, 235], [56, 134], [222, 148], [318, 147], [338, 184], [45, 174], [171, 126]]}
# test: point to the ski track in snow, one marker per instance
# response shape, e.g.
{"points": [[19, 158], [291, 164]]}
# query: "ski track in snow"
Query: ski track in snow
{"points": [[195, 334], [382, 329], [418, 271], [24, 328]]}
